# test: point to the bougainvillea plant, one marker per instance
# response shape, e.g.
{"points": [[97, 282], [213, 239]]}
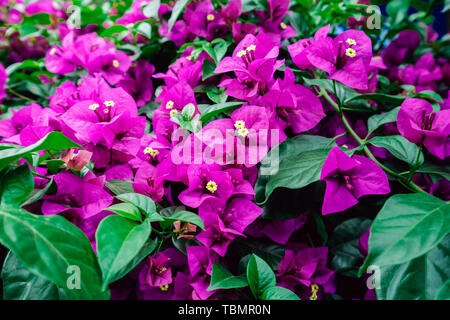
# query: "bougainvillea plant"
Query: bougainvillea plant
{"points": [[214, 149]]}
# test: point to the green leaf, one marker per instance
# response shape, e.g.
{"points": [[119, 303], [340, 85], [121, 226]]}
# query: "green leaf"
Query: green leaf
{"points": [[126, 210], [260, 276], [21, 284], [38, 193], [289, 148], [378, 97], [443, 292], [344, 244], [16, 185], [119, 240], [446, 6], [176, 11], [151, 9], [343, 92], [429, 95], [378, 120], [48, 246], [39, 18], [53, 141], [399, 147], [271, 252], [11, 69], [119, 186], [208, 68], [279, 293], [188, 111], [144, 28], [144, 203], [407, 226], [427, 167], [397, 10], [210, 110], [298, 172], [423, 278], [221, 278], [186, 216], [116, 29]]}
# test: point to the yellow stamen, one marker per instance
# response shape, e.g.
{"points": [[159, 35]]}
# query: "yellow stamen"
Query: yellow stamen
{"points": [[105, 110], [109, 103], [239, 124], [115, 63], [350, 52], [210, 17], [314, 289], [173, 112], [243, 132], [169, 104], [154, 153], [164, 287], [251, 48], [52, 51], [211, 186], [94, 106], [351, 41], [283, 25], [241, 53]]}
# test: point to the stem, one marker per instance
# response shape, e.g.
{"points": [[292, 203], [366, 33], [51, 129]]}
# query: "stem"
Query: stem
{"points": [[19, 95], [416, 164], [405, 182]]}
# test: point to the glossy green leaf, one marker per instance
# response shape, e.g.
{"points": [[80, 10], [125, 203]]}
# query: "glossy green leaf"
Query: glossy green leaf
{"points": [[176, 11], [53, 141], [119, 186], [21, 284], [407, 226], [48, 247], [279, 293], [298, 172], [126, 210], [344, 244], [423, 278], [186, 216], [221, 278], [119, 240], [144, 203], [260, 276], [378, 120], [399, 147], [16, 184], [210, 110]]}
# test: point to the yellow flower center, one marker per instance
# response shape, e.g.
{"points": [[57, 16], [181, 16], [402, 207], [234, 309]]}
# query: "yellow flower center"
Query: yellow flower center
{"points": [[210, 17], [169, 104], [211, 186], [109, 103], [251, 48], [351, 41], [314, 289], [164, 287], [105, 110], [173, 112], [151, 151], [239, 124], [162, 270], [241, 53], [283, 25], [115, 63], [94, 106], [350, 52], [154, 153], [243, 132], [52, 51]]}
